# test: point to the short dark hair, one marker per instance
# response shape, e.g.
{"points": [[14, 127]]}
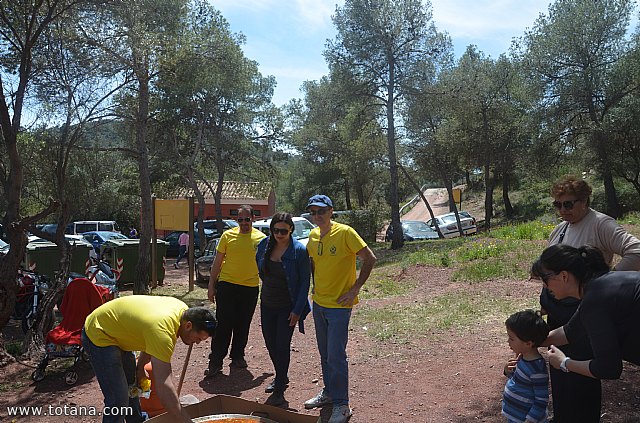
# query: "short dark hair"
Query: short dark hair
{"points": [[528, 325], [246, 207], [202, 318]]}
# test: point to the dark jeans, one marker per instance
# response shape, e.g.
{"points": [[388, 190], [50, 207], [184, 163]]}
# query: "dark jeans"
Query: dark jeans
{"points": [[576, 398], [235, 305], [115, 370], [182, 251], [277, 336]]}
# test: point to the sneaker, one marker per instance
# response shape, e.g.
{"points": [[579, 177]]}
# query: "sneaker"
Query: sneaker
{"points": [[276, 399], [211, 371], [340, 414], [272, 386], [240, 363], [175, 265], [318, 401]]}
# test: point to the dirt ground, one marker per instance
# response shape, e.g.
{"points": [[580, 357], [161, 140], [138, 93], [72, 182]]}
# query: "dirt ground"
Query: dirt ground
{"points": [[451, 376]]}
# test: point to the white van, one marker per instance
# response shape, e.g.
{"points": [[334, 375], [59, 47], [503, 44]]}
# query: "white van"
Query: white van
{"points": [[83, 226]]}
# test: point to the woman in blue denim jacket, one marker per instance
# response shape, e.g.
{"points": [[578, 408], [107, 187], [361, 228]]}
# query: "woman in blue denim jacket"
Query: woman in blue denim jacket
{"points": [[285, 271]]}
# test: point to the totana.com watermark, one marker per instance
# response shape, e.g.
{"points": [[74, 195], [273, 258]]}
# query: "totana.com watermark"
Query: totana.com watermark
{"points": [[67, 410]]}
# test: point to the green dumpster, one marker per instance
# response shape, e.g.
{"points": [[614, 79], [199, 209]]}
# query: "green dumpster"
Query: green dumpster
{"points": [[122, 254], [44, 257]]}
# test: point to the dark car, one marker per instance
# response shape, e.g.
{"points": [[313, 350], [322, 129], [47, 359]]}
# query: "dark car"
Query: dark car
{"points": [[172, 239], [204, 262], [213, 226], [413, 230]]}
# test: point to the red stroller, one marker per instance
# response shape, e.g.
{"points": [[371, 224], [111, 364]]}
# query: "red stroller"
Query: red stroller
{"points": [[80, 298]]}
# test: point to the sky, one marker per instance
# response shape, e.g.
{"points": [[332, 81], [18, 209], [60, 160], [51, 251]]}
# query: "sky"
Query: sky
{"points": [[287, 37]]}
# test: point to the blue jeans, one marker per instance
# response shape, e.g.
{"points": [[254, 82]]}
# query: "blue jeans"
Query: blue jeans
{"points": [[332, 334], [277, 336], [115, 370]]}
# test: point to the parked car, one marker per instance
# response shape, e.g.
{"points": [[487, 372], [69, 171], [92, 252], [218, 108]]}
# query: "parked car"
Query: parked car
{"points": [[173, 247], [83, 226], [212, 225], [204, 262], [302, 228], [449, 227], [413, 230]]}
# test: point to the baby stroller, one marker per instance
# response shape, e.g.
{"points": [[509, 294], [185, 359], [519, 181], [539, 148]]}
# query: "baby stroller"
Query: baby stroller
{"points": [[80, 298]]}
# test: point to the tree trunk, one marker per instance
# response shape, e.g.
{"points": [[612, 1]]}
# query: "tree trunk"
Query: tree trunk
{"points": [[397, 241], [508, 208], [347, 194], [141, 282], [488, 197]]}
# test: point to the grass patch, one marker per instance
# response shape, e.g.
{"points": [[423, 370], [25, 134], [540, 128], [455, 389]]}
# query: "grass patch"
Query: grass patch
{"points": [[195, 298], [460, 310], [384, 286], [533, 230], [13, 348], [494, 268]]}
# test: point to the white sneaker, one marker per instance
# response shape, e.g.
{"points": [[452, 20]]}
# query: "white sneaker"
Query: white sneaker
{"points": [[340, 414], [318, 401]]}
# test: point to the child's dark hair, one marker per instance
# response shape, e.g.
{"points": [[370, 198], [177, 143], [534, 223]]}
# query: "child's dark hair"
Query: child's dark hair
{"points": [[528, 325]]}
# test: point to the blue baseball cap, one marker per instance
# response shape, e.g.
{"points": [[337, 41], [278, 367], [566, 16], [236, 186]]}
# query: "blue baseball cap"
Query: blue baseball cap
{"points": [[320, 201]]}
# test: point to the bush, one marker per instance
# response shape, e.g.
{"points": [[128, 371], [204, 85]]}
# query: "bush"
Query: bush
{"points": [[367, 222]]}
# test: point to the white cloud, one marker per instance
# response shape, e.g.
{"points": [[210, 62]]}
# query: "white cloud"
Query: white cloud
{"points": [[488, 18], [315, 14]]}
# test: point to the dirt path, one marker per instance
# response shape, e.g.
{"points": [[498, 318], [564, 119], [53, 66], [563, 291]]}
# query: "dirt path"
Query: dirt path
{"points": [[438, 200], [441, 376]]}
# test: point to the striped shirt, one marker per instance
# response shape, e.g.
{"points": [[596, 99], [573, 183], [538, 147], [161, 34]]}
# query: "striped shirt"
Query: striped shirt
{"points": [[526, 393]]}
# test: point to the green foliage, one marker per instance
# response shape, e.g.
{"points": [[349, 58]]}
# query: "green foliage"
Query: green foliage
{"points": [[529, 230], [384, 286], [13, 348], [367, 222], [630, 219]]}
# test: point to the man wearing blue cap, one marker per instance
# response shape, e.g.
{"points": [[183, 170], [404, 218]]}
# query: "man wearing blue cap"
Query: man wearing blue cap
{"points": [[333, 248]]}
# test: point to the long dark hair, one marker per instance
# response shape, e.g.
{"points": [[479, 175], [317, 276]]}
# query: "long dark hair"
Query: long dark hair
{"points": [[585, 263], [277, 218]]}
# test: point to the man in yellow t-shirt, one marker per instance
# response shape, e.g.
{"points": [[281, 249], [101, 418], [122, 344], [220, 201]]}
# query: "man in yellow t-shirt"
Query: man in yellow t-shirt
{"points": [[333, 248], [151, 325], [233, 286]]}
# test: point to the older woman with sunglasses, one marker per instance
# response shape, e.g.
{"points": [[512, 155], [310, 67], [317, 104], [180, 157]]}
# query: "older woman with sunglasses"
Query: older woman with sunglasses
{"points": [[285, 271], [573, 393], [608, 315]]}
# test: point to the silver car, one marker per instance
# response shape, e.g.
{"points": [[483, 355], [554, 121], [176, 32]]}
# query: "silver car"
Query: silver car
{"points": [[449, 227]]}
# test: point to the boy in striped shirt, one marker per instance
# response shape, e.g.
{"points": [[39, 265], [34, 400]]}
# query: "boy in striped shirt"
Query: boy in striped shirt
{"points": [[526, 393]]}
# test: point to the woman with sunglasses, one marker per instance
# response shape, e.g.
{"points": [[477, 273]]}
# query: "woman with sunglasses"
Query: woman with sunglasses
{"points": [[608, 315], [575, 397], [284, 267]]}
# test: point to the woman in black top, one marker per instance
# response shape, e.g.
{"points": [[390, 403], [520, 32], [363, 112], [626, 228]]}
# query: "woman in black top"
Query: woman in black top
{"points": [[284, 267], [608, 314]]}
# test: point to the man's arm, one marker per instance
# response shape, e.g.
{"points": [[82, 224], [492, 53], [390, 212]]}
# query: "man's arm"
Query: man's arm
{"points": [[143, 359], [213, 277], [368, 260], [163, 384]]}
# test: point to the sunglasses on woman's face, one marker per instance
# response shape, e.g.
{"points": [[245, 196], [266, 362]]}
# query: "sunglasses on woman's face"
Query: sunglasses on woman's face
{"points": [[568, 205], [243, 219], [279, 231]]}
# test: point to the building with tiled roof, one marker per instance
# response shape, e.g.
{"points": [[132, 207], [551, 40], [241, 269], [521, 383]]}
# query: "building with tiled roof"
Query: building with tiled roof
{"points": [[259, 195]]}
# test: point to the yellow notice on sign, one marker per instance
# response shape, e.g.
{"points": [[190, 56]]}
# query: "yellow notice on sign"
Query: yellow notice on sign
{"points": [[172, 214], [457, 193]]}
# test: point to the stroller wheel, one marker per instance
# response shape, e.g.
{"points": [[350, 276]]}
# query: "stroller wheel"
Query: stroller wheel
{"points": [[37, 375], [71, 377]]}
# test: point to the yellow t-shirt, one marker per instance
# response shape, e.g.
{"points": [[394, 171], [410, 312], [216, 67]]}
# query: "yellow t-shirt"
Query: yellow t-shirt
{"points": [[334, 260], [239, 265], [137, 323]]}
